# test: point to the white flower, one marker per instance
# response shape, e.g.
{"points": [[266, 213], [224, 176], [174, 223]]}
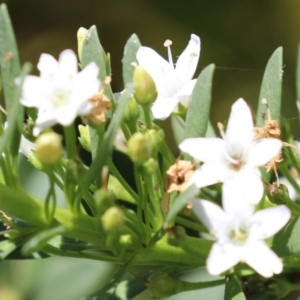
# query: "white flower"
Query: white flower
{"points": [[60, 93], [240, 235], [173, 84], [237, 155]]}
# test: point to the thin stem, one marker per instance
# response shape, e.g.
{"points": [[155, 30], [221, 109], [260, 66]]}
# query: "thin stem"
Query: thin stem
{"points": [[147, 115], [184, 286], [286, 173], [190, 224], [141, 193], [70, 139]]}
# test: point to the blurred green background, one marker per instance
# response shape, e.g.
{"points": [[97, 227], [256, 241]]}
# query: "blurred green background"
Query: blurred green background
{"points": [[238, 36]]}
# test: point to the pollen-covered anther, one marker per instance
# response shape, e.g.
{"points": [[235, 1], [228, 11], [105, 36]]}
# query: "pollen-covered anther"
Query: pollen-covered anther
{"points": [[168, 43], [179, 175]]}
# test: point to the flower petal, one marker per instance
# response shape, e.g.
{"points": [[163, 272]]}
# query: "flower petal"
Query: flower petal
{"points": [[262, 259], [222, 257], [162, 108], [211, 215], [267, 222], [47, 65], [187, 62], [67, 63], [262, 151], [160, 70], [239, 129], [204, 149], [185, 93]]}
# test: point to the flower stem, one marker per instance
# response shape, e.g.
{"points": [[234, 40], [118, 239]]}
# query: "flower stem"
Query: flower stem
{"points": [[147, 114], [70, 139]]}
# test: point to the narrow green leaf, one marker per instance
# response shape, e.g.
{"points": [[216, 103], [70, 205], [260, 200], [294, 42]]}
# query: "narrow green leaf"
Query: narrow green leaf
{"points": [[92, 51], [129, 57], [7, 247], [286, 242], [271, 89], [298, 74], [37, 242], [119, 191], [9, 57], [198, 110], [12, 134], [177, 125], [233, 289], [109, 137], [180, 202]]}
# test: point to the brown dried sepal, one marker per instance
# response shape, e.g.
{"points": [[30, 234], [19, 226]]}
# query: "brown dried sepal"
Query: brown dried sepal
{"points": [[179, 175], [101, 105]]}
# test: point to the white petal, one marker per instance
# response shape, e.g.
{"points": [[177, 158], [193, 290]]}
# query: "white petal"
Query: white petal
{"points": [[47, 65], [262, 259], [68, 63], [162, 108], [204, 149], [45, 120], [160, 70], [31, 93], [239, 129], [187, 62], [267, 222], [245, 186], [185, 93], [222, 257], [262, 151], [65, 115], [208, 174], [212, 216]]}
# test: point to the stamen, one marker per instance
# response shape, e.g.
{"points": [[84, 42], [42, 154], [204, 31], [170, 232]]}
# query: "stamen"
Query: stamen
{"points": [[221, 129], [167, 44]]}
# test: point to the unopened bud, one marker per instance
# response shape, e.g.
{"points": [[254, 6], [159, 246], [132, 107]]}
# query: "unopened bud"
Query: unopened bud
{"points": [[48, 148], [145, 91], [104, 199], [131, 111], [139, 148], [85, 137], [156, 137], [176, 236], [161, 285], [150, 166], [278, 194], [113, 219], [81, 34]]}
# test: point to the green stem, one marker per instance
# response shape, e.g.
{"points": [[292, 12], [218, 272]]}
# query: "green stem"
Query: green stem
{"points": [[190, 224], [141, 193], [295, 161], [70, 139], [286, 173], [126, 131], [167, 154], [121, 179], [147, 115]]}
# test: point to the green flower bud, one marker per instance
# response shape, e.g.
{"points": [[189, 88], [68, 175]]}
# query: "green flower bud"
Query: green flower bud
{"points": [[161, 285], [113, 220], [81, 34], [150, 166], [145, 91], [139, 148], [85, 137], [131, 112], [48, 148], [156, 137], [104, 199], [278, 194], [176, 236]]}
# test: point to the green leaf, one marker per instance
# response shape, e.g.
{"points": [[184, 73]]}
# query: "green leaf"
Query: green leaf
{"points": [[7, 247], [198, 110], [9, 57], [92, 51], [109, 137], [119, 191], [180, 202], [39, 240], [271, 89], [233, 289], [177, 125], [286, 242], [129, 57], [298, 74]]}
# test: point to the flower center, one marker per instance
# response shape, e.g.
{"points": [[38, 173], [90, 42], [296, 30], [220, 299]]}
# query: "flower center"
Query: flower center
{"points": [[239, 235], [60, 98]]}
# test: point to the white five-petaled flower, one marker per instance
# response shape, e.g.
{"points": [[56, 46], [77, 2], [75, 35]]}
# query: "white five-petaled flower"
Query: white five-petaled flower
{"points": [[240, 234], [60, 93], [174, 84], [235, 156]]}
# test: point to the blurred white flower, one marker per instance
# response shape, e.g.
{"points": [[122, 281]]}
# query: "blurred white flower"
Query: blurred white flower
{"points": [[240, 234], [237, 155], [60, 93], [174, 84]]}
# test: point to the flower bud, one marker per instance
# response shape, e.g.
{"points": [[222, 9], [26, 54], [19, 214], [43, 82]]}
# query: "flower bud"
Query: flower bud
{"points": [[131, 111], [145, 91], [176, 236], [156, 137], [85, 137], [150, 166], [113, 219], [48, 148], [104, 199], [161, 285], [139, 148], [81, 34], [278, 194]]}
